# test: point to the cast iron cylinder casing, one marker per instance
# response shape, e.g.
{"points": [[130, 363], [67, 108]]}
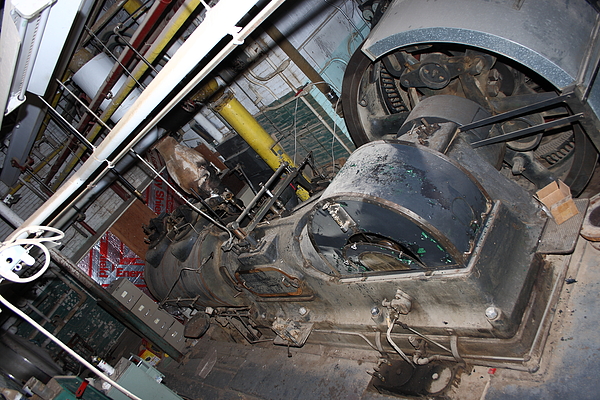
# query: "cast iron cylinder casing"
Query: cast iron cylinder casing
{"points": [[192, 270], [398, 200], [391, 200]]}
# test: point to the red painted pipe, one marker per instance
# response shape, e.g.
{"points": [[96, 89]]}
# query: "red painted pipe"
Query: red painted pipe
{"points": [[137, 39], [153, 15]]}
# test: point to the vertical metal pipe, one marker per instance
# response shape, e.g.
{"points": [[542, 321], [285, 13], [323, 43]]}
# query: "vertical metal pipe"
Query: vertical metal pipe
{"points": [[178, 20], [154, 14], [209, 127], [132, 6], [157, 100], [11, 217]]}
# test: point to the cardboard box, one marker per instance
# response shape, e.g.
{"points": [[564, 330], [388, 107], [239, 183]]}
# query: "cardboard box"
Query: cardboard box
{"points": [[557, 198]]}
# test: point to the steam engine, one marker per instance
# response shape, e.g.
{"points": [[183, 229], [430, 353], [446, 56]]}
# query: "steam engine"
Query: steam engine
{"points": [[430, 235]]}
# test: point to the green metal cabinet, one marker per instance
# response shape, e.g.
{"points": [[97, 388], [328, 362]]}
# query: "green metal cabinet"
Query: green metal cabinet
{"points": [[141, 379]]}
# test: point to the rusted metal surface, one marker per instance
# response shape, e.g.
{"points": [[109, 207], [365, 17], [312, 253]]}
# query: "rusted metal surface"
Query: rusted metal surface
{"points": [[128, 228], [427, 194]]}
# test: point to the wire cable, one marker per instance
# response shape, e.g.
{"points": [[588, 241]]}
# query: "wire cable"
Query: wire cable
{"points": [[15, 252], [295, 129]]}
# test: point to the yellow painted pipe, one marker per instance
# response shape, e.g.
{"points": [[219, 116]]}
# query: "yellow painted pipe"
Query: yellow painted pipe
{"points": [[208, 90], [37, 169], [132, 6], [250, 130]]}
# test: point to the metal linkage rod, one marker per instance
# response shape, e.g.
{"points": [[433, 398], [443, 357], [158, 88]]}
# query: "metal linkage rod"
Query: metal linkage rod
{"points": [[528, 131], [517, 112], [261, 192], [67, 126], [137, 53]]}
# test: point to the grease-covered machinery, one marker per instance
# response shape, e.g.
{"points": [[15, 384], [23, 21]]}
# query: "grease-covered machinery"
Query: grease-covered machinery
{"points": [[430, 234]]}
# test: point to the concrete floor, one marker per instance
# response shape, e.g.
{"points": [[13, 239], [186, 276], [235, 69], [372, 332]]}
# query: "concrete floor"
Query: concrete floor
{"points": [[569, 365]]}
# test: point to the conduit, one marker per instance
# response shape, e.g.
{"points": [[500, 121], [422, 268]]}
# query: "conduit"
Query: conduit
{"points": [[36, 169], [220, 22], [179, 19], [102, 21], [133, 6], [394, 345]]}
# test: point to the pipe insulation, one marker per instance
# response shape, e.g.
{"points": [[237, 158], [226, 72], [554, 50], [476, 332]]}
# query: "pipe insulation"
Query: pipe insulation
{"points": [[183, 13], [209, 127], [90, 78], [219, 23]]}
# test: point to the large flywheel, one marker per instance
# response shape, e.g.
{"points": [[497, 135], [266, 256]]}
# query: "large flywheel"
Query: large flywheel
{"points": [[377, 97]]}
